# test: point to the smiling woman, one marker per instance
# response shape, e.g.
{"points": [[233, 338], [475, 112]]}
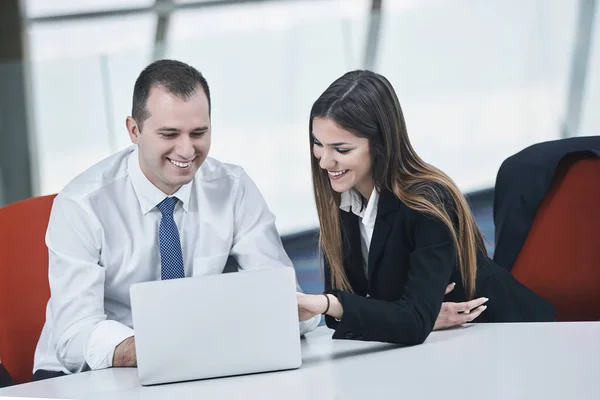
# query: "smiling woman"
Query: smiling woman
{"points": [[395, 231], [344, 155]]}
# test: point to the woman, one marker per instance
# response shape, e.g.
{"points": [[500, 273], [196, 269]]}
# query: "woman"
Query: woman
{"points": [[395, 231]]}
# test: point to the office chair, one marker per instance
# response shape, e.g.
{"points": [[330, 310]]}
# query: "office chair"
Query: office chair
{"points": [[560, 259], [24, 289]]}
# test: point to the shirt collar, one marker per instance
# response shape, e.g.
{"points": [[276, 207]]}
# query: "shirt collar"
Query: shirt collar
{"points": [[351, 201], [149, 195]]}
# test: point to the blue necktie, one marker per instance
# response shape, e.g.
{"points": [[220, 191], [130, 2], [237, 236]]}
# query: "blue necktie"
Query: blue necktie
{"points": [[171, 257]]}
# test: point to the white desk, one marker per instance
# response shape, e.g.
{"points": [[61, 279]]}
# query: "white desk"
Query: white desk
{"points": [[480, 361]]}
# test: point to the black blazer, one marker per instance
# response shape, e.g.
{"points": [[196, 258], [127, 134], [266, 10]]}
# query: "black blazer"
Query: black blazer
{"points": [[521, 184], [411, 261], [5, 379]]}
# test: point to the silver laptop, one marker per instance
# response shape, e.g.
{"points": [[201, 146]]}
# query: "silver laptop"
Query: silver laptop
{"points": [[215, 326]]}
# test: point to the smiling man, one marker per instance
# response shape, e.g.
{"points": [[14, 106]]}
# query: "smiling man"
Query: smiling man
{"points": [[157, 210]]}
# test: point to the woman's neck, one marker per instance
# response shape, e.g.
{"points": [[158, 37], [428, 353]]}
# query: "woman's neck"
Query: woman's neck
{"points": [[365, 189]]}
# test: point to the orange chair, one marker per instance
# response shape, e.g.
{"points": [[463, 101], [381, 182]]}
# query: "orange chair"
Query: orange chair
{"points": [[24, 289], [560, 259]]}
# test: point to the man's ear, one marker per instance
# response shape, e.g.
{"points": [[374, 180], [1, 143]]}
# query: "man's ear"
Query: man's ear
{"points": [[133, 130]]}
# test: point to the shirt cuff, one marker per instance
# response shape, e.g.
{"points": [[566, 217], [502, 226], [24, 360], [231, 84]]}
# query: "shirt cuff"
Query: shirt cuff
{"points": [[103, 340], [309, 325]]}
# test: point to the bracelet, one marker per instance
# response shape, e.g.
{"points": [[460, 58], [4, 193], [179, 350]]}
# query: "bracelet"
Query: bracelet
{"points": [[328, 303]]}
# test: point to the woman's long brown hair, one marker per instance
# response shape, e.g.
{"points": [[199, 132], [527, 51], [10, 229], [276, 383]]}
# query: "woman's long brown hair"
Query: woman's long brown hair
{"points": [[366, 104]]}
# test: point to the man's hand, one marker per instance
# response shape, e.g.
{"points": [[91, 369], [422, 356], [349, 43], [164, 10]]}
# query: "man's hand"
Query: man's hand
{"points": [[454, 314], [124, 355]]}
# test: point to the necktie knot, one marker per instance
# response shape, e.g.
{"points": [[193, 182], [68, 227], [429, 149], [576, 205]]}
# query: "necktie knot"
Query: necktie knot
{"points": [[167, 206]]}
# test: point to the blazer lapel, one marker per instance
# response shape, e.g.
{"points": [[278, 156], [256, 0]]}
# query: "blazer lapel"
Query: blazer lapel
{"points": [[352, 252], [386, 214]]}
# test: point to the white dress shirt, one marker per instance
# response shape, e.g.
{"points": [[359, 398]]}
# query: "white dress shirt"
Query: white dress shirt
{"points": [[103, 236], [352, 201]]}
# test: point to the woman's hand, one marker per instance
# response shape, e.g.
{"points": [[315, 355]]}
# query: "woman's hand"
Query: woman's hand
{"points": [[451, 314], [454, 314], [310, 305]]}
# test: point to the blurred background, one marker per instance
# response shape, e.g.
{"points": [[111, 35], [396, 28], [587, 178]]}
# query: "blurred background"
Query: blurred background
{"points": [[478, 80]]}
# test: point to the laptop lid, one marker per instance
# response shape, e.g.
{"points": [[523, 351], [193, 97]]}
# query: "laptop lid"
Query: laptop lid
{"points": [[216, 325]]}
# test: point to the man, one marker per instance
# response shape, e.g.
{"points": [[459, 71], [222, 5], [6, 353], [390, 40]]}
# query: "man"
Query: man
{"points": [[157, 210]]}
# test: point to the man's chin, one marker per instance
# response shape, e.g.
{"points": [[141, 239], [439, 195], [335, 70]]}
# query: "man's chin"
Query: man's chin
{"points": [[181, 182]]}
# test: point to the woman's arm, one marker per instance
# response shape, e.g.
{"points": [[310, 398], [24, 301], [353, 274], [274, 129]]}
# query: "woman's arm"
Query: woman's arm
{"points": [[411, 318]]}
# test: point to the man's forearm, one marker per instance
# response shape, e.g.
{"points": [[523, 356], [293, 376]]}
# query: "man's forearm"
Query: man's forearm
{"points": [[124, 355]]}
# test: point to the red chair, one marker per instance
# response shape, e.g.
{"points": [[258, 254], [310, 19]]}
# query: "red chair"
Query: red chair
{"points": [[24, 290], [560, 259]]}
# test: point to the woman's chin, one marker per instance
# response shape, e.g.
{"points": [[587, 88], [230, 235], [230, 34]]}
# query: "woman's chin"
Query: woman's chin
{"points": [[340, 187]]}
